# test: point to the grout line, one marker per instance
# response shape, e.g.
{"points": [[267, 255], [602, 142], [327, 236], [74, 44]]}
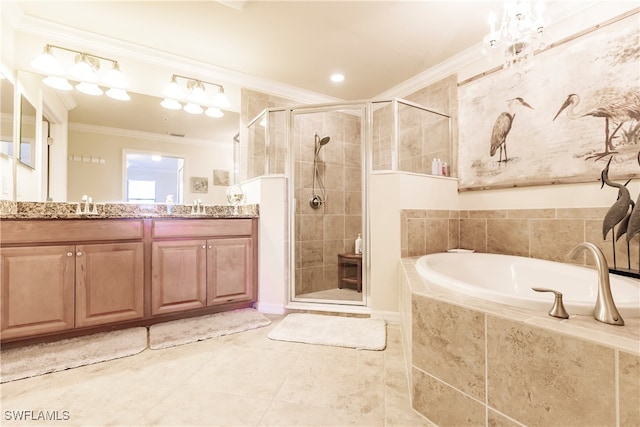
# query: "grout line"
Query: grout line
{"points": [[486, 369], [616, 382]]}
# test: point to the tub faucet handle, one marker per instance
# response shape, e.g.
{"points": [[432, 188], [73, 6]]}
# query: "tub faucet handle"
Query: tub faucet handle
{"points": [[557, 310]]}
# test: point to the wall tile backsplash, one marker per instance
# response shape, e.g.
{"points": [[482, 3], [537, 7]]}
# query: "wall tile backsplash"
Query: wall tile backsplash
{"points": [[538, 233]]}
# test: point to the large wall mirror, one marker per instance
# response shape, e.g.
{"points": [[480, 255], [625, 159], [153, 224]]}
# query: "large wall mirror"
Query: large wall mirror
{"points": [[100, 130], [27, 151]]}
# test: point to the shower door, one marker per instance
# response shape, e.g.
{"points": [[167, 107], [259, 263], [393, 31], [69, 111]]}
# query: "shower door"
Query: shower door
{"points": [[327, 171]]}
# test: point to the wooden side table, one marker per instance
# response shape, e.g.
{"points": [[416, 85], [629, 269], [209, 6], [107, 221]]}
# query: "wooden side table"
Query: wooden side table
{"points": [[346, 264]]}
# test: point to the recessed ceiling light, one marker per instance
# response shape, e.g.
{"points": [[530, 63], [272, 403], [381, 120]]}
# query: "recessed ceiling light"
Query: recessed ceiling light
{"points": [[337, 77]]}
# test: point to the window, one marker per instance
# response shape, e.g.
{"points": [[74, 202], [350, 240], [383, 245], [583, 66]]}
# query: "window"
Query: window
{"points": [[141, 191]]}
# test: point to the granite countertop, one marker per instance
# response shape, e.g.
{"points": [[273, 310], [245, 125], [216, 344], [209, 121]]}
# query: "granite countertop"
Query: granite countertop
{"points": [[65, 210]]}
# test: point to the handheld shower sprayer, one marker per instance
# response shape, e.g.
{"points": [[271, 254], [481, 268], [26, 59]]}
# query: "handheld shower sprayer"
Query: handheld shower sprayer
{"points": [[317, 200]]}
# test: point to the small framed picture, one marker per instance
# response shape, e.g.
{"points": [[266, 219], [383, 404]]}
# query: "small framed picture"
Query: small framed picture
{"points": [[221, 177], [199, 184]]}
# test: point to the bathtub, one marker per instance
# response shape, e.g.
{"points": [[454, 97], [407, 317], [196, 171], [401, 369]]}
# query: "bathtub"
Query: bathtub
{"points": [[508, 280]]}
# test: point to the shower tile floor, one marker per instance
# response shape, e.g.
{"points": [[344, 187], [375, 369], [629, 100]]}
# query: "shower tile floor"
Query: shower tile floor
{"points": [[244, 379]]}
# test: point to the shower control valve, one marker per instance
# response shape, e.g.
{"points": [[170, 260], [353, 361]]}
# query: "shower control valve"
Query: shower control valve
{"points": [[315, 202]]}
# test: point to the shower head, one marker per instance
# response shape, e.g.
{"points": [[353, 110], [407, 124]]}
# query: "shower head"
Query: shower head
{"points": [[320, 142]]}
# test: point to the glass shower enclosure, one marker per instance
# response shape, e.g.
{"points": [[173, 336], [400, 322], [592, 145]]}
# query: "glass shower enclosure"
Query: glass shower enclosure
{"points": [[327, 152]]}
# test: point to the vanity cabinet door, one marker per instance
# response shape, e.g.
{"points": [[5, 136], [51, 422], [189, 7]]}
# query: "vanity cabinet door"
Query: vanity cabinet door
{"points": [[230, 270], [178, 275], [37, 285], [109, 283]]}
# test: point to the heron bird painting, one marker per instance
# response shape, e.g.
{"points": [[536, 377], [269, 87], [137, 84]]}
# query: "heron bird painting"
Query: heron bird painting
{"points": [[502, 127], [616, 106]]}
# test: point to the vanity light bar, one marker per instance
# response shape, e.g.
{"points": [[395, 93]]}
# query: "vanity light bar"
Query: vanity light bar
{"points": [[85, 69], [195, 97]]}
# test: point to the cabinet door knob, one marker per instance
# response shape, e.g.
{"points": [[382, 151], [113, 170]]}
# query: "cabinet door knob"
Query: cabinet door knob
{"points": [[210, 246], [204, 247], [79, 253], [69, 253]]}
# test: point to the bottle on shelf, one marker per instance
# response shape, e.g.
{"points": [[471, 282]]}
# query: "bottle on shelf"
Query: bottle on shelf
{"points": [[358, 244]]}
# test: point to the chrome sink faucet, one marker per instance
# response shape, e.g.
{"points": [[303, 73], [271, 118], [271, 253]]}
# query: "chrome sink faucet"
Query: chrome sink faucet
{"points": [[605, 310], [197, 208]]}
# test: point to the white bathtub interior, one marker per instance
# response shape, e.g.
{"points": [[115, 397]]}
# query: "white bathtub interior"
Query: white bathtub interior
{"points": [[508, 279]]}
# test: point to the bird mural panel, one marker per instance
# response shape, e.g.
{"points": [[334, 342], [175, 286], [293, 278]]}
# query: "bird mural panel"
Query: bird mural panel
{"points": [[616, 106], [502, 127], [586, 94]]}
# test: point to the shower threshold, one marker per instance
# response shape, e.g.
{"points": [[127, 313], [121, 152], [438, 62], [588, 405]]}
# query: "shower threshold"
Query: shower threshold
{"points": [[334, 294]]}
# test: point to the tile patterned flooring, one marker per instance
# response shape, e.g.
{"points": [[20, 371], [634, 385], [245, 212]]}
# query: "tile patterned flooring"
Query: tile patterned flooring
{"points": [[244, 379]]}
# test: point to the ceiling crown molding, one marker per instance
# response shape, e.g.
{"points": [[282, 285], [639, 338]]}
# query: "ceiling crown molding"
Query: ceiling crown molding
{"points": [[559, 12], [72, 36]]}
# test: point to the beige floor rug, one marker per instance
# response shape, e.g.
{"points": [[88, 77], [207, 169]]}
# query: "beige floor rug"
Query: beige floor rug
{"points": [[352, 332], [184, 331], [38, 359]]}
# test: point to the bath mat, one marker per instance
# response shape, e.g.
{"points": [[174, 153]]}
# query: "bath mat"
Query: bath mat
{"points": [[39, 359], [184, 331], [352, 332]]}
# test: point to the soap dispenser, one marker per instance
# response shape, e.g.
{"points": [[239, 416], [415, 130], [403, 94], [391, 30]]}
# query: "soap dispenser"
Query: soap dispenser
{"points": [[358, 244], [169, 203]]}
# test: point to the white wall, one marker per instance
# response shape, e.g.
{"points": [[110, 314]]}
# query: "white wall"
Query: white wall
{"points": [[388, 194], [270, 193]]}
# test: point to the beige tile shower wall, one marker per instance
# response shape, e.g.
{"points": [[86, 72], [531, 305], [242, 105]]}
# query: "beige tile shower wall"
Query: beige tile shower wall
{"points": [[423, 136], [252, 153], [442, 96], [324, 233], [537, 233], [382, 141]]}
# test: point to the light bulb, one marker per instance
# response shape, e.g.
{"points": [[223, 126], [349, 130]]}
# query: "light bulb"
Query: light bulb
{"points": [[221, 100], [85, 68], [171, 104], [119, 94], [89, 88], [115, 78], [192, 108], [214, 112], [47, 63], [197, 94], [57, 83], [173, 90]]}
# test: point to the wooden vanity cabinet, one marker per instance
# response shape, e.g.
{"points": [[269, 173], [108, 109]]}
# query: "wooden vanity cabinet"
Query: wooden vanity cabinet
{"points": [[63, 278], [38, 290], [52, 287], [192, 273], [229, 270], [178, 275], [109, 283]]}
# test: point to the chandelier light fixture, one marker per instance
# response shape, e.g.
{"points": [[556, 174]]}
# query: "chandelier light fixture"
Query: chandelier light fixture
{"points": [[520, 32], [194, 96], [85, 70]]}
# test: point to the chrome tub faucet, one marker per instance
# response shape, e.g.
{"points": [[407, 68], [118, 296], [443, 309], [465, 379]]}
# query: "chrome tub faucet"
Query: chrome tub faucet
{"points": [[605, 310]]}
